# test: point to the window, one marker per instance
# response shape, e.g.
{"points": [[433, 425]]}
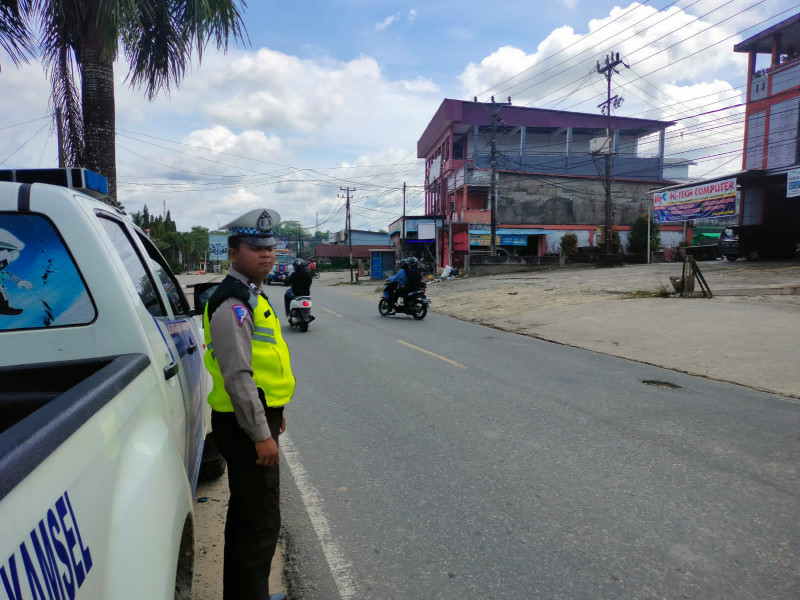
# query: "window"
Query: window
{"points": [[134, 266], [40, 285], [171, 287]]}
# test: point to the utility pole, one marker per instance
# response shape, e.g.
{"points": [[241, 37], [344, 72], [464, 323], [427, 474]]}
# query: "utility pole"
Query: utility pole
{"points": [[493, 181], [403, 246], [347, 191], [610, 67], [60, 137]]}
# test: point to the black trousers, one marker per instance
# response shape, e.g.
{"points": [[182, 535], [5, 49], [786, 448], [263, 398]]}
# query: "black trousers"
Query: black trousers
{"points": [[254, 517]]}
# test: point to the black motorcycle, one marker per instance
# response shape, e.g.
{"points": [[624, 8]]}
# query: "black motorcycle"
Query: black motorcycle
{"points": [[414, 303]]}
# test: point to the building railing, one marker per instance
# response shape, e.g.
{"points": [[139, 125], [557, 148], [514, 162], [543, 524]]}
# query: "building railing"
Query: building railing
{"points": [[622, 166]]}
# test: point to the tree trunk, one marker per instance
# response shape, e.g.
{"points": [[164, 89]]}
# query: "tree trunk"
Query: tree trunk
{"points": [[97, 97]]}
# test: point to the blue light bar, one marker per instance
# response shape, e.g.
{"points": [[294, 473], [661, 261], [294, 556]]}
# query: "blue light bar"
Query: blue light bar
{"points": [[82, 180]]}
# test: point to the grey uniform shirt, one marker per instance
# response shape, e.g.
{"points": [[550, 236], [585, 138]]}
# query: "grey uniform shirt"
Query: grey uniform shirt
{"points": [[234, 352]]}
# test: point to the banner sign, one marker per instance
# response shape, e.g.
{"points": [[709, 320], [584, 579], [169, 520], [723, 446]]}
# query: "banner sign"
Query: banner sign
{"points": [[217, 248], [485, 239], [704, 201], [793, 183]]}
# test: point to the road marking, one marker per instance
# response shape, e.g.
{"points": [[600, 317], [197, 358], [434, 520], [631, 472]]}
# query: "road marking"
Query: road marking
{"points": [[333, 313], [439, 356], [337, 563]]}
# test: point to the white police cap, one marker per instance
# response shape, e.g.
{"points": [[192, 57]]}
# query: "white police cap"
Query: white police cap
{"points": [[255, 227]]}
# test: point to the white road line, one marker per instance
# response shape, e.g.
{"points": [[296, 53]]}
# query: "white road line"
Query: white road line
{"points": [[429, 353], [333, 313], [337, 563]]}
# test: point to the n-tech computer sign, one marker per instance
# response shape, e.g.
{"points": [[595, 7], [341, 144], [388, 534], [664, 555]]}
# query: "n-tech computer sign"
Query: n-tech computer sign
{"points": [[704, 201]]}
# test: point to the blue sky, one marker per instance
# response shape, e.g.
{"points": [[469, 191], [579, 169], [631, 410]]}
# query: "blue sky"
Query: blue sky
{"points": [[329, 94]]}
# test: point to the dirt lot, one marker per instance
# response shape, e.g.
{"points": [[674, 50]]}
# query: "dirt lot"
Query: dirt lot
{"points": [[499, 296]]}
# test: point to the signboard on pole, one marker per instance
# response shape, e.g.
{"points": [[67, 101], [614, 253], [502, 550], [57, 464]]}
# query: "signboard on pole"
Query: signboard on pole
{"points": [[217, 248], [793, 183], [703, 201]]}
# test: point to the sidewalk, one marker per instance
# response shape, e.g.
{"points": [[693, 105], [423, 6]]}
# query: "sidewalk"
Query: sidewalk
{"points": [[746, 334]]}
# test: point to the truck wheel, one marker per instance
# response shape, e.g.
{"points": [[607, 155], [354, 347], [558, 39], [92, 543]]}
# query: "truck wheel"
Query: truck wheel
{"points": [[269, 281], [212, 466], [731, 257]]}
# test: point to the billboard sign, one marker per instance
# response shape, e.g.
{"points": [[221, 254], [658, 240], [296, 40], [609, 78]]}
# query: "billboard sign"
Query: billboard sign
{"points": [[217, 248], [704, 201], [793, 183]]}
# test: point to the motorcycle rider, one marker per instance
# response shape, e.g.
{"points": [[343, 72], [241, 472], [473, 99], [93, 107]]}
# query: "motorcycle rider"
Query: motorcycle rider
{"points": [[300, 281], [398, 279], [413, 278]]}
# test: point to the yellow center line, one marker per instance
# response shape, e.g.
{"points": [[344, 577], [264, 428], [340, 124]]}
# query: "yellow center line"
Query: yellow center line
{"points": [[439, 356], [333, 313]]}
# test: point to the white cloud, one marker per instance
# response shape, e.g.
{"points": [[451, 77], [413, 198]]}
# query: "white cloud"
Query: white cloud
{"points": [[412, 15], [570, 3], [386, 22]]}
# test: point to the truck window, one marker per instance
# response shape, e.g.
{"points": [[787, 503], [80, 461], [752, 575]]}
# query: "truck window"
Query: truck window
{"points": [[180, 306], [134, 266], [40, 285]]}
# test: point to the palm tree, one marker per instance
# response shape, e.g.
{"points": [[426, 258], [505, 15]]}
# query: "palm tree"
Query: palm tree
{"points": [[157, 37]]}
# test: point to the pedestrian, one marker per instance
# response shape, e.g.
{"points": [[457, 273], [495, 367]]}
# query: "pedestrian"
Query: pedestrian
{"points": [[252, 382]]}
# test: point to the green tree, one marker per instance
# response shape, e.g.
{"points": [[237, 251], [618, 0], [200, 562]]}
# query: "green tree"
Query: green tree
{"points": [[157, 37], [569, 244], [637, 239]]}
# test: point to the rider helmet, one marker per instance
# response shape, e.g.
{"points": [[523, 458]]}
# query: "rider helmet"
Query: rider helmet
{"points": [[413, 262], [299, 264]]}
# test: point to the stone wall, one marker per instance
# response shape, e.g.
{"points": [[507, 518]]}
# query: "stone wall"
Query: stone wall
{"points": [[541, 200]]}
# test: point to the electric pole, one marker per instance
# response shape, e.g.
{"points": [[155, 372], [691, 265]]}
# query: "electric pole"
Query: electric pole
{"points": [[403, 246], [60, 137], [608, 70], [347, 190], [493, 175]]}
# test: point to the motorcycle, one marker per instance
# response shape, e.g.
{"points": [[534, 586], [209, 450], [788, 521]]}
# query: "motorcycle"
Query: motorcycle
{"points": [[414, 303], [300, 312]]}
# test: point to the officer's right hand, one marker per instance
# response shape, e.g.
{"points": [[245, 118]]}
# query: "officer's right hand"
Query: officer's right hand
{"points": [[267, 451]]}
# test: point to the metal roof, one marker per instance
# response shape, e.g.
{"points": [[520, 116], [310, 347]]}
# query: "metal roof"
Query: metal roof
{"points": [[762, 41]]}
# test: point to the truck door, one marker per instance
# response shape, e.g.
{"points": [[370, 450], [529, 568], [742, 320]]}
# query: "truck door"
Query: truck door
{"points": [[185, 337], [170, 330]]}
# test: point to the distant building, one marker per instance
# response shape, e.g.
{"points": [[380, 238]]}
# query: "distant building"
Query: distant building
{"points": [[549, 181], [362, 242]]}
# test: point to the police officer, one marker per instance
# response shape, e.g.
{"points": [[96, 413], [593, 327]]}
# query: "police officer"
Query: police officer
{"points": [[252, 381]]}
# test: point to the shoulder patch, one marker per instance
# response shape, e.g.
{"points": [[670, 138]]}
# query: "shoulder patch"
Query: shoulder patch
{"points": [[240, 310]]}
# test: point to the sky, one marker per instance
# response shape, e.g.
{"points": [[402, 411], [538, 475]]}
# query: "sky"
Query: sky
{"points": [[326, 95]]}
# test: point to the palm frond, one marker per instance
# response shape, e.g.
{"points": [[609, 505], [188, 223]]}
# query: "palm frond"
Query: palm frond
{"points": [[159, 41], [15, 37]]}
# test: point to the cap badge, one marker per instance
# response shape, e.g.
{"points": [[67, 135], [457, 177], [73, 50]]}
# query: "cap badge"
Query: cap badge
{"points": [[264, 223]]}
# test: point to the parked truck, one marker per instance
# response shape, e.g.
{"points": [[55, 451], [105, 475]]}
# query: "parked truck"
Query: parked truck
{"points": [[102, 401]]}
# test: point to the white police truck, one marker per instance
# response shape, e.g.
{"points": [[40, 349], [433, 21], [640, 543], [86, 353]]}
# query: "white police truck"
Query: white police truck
{"points": [[102, 399]]}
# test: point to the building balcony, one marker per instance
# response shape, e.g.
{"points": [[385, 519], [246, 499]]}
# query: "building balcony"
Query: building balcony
{"points": [[778, 79], [622, 166]]}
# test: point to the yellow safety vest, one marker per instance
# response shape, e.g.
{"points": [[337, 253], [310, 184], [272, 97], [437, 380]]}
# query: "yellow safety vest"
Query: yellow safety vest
{"points": [[272, 371]]}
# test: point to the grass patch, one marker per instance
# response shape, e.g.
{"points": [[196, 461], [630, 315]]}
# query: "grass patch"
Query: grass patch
{"points": [[661, 292]]}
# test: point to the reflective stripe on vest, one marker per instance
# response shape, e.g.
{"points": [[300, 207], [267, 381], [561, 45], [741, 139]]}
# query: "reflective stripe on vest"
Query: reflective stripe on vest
{"points": [[272, 371]]}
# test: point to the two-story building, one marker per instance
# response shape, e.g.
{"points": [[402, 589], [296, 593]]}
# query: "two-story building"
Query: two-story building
{"points": [[772, 115], [768, 186], [549, 182]]}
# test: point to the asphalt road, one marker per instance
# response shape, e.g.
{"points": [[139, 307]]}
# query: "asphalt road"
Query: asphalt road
{"points": [[442, 459]]}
